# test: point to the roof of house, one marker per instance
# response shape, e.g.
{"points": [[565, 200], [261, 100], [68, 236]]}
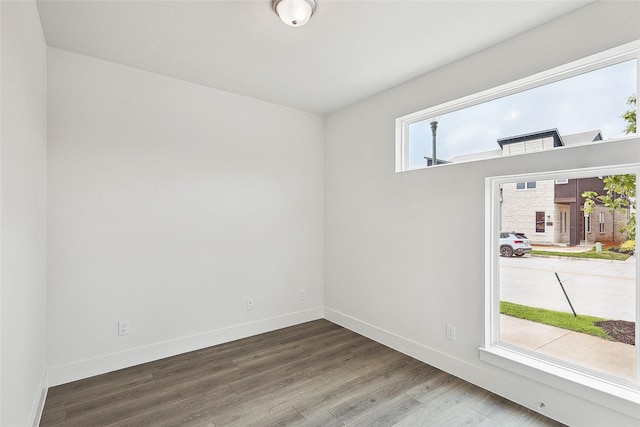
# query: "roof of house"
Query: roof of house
{"points": [[582, 137], [557, 139]]}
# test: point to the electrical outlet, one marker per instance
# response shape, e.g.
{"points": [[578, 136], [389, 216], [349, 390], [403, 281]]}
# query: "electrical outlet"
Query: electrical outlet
{"points": [[451, 332], [123, 327], [302, 295], [250, 304]]}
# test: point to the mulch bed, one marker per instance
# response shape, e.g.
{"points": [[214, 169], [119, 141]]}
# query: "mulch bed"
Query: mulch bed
{"points": [[619, 330]]}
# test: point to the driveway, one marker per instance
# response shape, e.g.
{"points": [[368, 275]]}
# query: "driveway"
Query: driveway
{"points": [[599, 288]]}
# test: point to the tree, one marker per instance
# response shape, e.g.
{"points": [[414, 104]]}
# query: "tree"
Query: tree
{"points": [[620, 190], [630, 115], [620, 195]]}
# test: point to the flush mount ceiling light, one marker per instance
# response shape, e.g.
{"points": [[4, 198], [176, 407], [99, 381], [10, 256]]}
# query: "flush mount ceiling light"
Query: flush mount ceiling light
{"points": [[294, 13]]}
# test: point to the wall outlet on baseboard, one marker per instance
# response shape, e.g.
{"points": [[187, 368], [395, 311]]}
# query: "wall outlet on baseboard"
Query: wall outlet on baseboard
{"points": [[123, 327], [250, 304], [302, 294]]}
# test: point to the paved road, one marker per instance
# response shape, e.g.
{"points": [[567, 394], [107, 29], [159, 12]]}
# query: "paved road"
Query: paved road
{"points": [[596, 287]]}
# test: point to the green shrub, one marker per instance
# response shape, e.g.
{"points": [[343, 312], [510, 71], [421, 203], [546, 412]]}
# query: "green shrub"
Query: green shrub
{"points": [[628, 246]]}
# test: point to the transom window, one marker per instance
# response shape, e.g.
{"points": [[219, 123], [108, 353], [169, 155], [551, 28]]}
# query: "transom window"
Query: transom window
{"points": [[581, 103]]}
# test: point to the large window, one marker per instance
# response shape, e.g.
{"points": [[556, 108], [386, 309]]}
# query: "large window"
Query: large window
{"points": [[574, 316], [580, 103]]}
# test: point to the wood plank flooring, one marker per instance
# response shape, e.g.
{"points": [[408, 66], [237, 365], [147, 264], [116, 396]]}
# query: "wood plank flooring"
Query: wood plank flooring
{"points": [[313, 374]]}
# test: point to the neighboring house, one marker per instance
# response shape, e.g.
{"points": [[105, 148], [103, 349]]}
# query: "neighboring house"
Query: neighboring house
{"points": [[552, 212], [536, 141], [438, 161], [601, 225]]}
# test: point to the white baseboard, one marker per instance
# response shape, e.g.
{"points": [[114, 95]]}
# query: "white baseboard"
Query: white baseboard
{"points": [[416, 350], [559, 404], [38, 403], [111, 362]]}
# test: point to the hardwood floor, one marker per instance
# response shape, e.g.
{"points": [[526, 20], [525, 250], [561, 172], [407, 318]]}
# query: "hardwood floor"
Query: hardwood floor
{"points": [[314, 374]]}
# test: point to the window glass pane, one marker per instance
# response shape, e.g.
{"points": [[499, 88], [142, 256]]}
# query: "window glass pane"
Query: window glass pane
{"points": [[582, 109], [580, 313]]}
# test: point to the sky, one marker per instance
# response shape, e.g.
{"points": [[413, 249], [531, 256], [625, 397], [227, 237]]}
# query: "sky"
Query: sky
{"points": [[590, 101]]}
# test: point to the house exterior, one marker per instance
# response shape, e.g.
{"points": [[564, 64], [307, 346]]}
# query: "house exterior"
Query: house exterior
{"points": [[536, 141], [552, 211], [599, 226], [529, 207]]}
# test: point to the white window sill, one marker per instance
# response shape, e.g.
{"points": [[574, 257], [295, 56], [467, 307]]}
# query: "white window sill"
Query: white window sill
{"points": [[620, 395]]}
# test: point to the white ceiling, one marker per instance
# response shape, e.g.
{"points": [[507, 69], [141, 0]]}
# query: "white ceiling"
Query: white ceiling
{"points": [[349, 50]]}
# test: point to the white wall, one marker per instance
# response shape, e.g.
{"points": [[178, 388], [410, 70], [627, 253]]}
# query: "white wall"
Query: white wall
{"points": [[404, 253], [23, 151], [170, 205]]}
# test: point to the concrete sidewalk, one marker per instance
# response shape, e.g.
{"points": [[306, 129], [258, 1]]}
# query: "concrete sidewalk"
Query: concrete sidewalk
{"points": [[599, 354]]}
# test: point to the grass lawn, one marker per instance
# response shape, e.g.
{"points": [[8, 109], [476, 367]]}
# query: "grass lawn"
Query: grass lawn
{"points": [[583, 324], [592, 254]]}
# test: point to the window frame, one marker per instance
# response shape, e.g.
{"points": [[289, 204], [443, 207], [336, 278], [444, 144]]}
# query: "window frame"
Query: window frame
{"points": [[589, 383], [625, 52], [527, 185]]}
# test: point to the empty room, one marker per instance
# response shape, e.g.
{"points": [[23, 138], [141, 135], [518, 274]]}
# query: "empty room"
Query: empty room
{"points": [[319, 213]]}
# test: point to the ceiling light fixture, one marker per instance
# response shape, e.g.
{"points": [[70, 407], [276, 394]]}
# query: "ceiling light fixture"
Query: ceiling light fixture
{"points": [[294, 13]]}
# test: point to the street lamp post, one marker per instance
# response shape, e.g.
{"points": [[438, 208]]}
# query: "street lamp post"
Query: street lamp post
{"points": [[434, 126]]}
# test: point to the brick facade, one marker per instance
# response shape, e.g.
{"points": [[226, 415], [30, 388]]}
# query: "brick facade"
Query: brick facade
{"points": [[519, 207]]}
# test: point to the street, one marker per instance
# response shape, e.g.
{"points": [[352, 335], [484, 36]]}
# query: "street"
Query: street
{"points": [[595, 287]]}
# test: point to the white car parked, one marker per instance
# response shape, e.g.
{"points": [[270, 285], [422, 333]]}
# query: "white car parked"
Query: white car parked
{"points": [[513, 243]]}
